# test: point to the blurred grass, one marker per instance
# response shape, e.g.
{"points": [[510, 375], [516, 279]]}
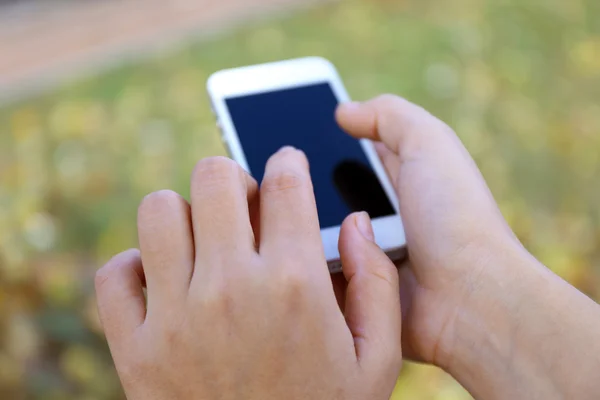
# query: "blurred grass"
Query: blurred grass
{"points": [[518, 80]]}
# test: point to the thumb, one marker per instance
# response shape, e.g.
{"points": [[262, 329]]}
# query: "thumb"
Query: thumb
{"points": [[372, 297], [444, 199]]}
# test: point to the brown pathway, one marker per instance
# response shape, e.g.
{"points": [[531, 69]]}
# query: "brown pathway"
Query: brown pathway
{"points": [[43, 42]]}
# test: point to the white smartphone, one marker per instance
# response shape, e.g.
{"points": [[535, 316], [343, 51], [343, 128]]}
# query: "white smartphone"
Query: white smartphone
{"points": [[262, 108]]}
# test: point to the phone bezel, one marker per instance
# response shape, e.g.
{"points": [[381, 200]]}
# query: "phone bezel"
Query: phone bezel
{"points": [[389, 231]]}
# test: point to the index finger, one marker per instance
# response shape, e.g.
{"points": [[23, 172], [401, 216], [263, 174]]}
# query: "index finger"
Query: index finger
{"points": [[289, 219]]}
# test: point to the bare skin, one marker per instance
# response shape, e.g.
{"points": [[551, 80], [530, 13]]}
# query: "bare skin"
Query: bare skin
{"points": [[240, 310], [475, 302], [240, 303]]}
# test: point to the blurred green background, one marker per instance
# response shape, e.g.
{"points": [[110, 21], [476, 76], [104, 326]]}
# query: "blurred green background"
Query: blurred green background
{"points": [[518, 80]]}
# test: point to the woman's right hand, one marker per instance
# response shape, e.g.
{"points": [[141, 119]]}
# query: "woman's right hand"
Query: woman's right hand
{"points": [[455, 232], [475, 302]]}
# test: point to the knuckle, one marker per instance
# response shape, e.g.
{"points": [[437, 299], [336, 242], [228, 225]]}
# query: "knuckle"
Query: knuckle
{"points": [[294, 281], [173, 336], [218, 299], [291, 289], [282, 181], [134, 368], [386, 273]]}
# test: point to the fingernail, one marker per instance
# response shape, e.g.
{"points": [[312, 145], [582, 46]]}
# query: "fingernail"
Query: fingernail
{"points": [[287, 149], [363, 223]]}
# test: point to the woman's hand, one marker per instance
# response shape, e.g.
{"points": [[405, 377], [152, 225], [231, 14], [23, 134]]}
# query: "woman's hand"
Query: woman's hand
{"points": [[239, 299], [475, 302], [454, 229]]}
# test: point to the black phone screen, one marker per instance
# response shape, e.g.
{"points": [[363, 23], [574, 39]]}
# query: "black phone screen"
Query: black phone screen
{"points": [[304, 117]]}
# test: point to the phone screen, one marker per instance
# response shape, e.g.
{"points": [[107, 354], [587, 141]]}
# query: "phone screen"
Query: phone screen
{"points": [[304, 117]]}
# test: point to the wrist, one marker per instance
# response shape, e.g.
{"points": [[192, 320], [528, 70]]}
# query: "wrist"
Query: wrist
{"points": [[523, 333], [488, 346]]}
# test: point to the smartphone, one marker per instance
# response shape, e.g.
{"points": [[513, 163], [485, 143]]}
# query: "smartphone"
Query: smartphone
{"points": [[261, 108]]}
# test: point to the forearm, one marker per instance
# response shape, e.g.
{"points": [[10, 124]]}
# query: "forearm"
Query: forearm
{"points": [[527, 334]]}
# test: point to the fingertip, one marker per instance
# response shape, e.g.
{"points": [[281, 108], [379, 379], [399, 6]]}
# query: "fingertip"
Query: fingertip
{"points": [[127, 256], [348, 108], [372, 307], [364, 225], [288, 212], [356, 119], [289, 154], [359, 251], [289, 161], [357, 226], [130, 258], [356, 238], [287, 149], [120, 295], [347, 229]]}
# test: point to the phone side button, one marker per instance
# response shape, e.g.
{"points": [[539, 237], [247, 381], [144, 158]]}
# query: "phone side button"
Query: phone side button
{"points": [[220, 129], [224, 140]]}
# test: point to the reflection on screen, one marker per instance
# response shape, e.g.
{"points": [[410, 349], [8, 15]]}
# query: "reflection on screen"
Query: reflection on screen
{"points": [[303, 117]]}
